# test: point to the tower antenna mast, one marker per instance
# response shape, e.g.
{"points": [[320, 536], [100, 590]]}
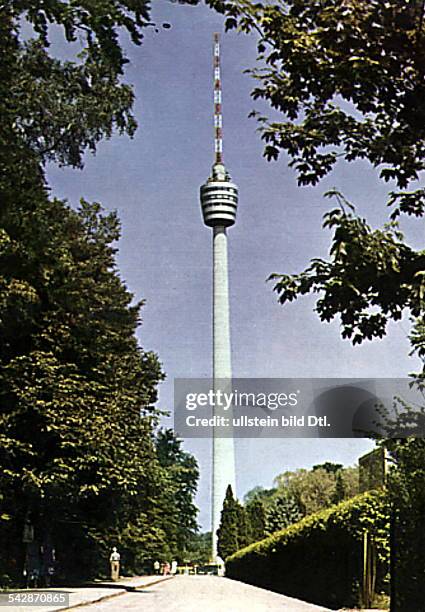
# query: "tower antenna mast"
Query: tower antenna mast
{"points": [[218, 117]]}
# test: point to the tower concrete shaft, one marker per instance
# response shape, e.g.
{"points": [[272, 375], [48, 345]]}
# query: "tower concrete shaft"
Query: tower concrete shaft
{"points": [[223, 464]]}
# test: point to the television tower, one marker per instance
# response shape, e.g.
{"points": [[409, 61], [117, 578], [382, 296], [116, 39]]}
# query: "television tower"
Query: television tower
{"points": [[219, 200]]}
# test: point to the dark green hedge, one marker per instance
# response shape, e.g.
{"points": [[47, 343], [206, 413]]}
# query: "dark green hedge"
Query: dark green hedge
{"points": [[320, 558]]}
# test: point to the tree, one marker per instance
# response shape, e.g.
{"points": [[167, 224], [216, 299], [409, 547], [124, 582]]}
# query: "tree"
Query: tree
{"points": [[311, 489], [228, 531], [351, 481], [406, 487], [77, 449], [253, 494], [182, 474], [318, 54], [348, 78], [404, 451], [282, 512], [259, 493], [69, 351], [339, 494], [61, 108], [298, 494], [328, 466], [198, 549], [337, 470], [244, 526], [372, 276], [76, 400], [256, 516], [316, 489]]}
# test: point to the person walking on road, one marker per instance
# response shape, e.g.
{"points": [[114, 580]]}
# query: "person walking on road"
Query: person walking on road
{"points": [[114, 561], [167, 569]]}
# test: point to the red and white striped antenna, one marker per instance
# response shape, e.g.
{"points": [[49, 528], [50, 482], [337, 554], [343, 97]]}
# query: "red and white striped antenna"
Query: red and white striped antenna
{"points": [[218, 118]]}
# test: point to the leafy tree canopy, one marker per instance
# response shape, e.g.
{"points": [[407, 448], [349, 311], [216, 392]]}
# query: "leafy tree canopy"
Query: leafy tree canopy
{"points": [[347, 77], [258, 493], [77, 392], [328, 466], [318, 488], [181, 474], [78, 454], [372, 276], [59, 109]]}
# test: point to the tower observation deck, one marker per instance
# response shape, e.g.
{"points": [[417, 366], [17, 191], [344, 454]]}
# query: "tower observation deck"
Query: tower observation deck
{"points": [[219, 198], [219, 201]]}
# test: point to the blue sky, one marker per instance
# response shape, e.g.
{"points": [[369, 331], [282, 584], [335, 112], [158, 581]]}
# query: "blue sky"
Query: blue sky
{"points": [[165, 251]]}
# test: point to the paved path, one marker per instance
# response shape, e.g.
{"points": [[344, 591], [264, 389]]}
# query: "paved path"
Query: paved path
{"points": [[202, 594], [80, 596]]}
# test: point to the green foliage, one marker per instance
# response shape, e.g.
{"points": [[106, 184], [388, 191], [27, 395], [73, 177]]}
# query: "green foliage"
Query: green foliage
{"points": [[367, 268], [347, 76], [312, 490], [233, 530], [76, 400], [316, 489], [406, 489], [328, 466], [283, 510], [339, 494], [350, 479], [78, 454], [256, 517], [417, 338], [181, 475], [258, 493], [244, 527], [198, 549], [297, 494], [227, 533], [76, 391], [327, 545], [61, 108], [57, 109]]}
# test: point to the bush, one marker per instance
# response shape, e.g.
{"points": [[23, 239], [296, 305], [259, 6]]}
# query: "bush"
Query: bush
{"points": [[406, 488], [320, 558]]}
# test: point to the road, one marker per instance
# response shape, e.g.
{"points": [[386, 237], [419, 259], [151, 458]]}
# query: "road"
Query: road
{"points": [[203, 594]]}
